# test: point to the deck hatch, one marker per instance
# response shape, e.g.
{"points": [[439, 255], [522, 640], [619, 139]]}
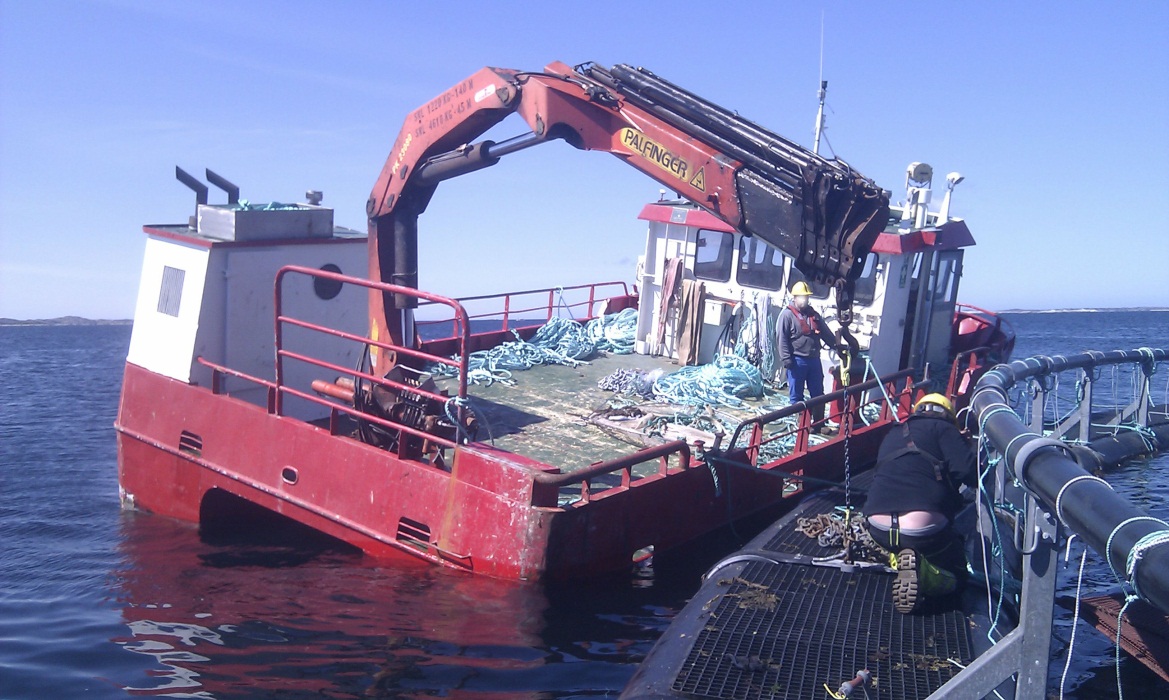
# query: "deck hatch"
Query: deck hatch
{"points": [[782, 631]]}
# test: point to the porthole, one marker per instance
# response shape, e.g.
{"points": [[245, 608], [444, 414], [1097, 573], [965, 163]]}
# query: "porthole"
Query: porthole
{"points": [[326, 288]]}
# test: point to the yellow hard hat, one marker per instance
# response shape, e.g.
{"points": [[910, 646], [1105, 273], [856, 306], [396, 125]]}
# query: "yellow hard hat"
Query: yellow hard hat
{"points": [[801, 289], [936, 400]]}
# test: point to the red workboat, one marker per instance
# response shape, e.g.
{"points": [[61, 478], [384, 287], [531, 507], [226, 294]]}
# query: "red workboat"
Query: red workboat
{"points": [[266, 371]]}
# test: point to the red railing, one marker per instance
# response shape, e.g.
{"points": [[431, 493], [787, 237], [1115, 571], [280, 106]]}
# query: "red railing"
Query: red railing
{"points": [[548, 484], [995, 332], [547, 307], [459, 318], [894, 401], [277, 389]]}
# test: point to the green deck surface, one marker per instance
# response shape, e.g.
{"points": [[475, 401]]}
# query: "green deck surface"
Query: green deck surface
{"points": [[543, 415]]}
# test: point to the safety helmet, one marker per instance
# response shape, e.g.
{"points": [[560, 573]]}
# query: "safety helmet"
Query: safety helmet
{"points": [[927, 403], [801, 289]]}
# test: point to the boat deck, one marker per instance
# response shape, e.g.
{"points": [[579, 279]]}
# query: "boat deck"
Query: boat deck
{"points": [[775, 626], [543, 416]]}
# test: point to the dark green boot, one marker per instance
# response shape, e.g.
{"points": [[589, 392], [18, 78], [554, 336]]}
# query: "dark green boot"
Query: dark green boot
{"points": [[917, 579]]}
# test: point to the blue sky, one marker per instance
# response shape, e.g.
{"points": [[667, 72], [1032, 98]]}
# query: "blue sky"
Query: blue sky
{"points": [[1054, 112]]}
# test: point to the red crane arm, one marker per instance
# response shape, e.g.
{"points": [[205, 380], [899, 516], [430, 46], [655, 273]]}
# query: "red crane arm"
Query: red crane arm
{"points": [[819, 212]]}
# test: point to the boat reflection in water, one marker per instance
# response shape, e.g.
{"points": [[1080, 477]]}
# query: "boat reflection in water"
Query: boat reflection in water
{"points": [[298, 614]]}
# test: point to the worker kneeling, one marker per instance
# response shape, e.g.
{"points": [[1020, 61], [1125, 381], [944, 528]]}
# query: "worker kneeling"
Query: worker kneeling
{"points": [[914, 498]]}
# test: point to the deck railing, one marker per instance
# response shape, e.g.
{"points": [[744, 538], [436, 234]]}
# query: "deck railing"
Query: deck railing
{"points": [[548, 484], [534, 306], [279, 389], [1055, 496], [892, 393]]}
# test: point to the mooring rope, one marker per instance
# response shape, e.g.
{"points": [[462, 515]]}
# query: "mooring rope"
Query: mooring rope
{"points": [[1075, 620]]}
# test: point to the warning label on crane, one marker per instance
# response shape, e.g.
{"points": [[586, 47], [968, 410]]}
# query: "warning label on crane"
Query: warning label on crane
{"points": [[698, 182], [655, 152]]}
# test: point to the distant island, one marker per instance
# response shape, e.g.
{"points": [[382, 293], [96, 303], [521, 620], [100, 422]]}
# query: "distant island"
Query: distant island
{"points": [[64, 321], [1075, 311], [79, 321]]}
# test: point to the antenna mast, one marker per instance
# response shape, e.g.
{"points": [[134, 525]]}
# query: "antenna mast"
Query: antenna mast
{"points": [[823, 92]]}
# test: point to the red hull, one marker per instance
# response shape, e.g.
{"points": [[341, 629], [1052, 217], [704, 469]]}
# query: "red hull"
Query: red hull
{"points": [[487, 514]]}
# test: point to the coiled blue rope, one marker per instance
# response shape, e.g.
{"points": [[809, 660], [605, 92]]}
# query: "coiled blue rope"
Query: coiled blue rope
{"points": [[615, 333], [724, 382], [560, 341]]}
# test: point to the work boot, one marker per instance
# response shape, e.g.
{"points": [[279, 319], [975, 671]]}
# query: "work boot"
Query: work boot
{"points": [[917, 579]]}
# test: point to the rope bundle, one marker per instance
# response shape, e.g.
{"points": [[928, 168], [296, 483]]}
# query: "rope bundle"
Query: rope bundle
{"points": [[724, 382], [615, 333], [560, 341]]}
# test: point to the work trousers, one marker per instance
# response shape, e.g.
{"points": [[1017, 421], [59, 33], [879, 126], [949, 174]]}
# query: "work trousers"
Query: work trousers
{"points": [[805, 371], [944, 549]]}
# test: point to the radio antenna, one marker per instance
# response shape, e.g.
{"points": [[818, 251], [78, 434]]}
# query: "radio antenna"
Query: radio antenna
{"points": [[823, 91]]}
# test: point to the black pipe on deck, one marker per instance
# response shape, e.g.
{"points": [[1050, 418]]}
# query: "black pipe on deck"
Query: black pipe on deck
{"points": [[1087, 505]]}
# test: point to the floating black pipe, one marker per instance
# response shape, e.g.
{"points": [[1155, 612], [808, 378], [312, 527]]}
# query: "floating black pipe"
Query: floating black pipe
{"points": [[1087, 505], [1110, 451]]}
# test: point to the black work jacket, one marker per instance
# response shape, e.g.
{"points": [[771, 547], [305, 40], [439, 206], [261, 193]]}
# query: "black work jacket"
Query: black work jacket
{"points": [[800, 333], [926, 478]]}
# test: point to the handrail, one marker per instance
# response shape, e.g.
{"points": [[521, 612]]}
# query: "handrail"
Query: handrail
{"points": [[411, 352], [273, 388], [459, 318], [482, 297], [801, 406], [232, 373], [356, 413], [972, 354], [678, 447], [547, 308], [999, 319], [383, 381], [1086, 504]]}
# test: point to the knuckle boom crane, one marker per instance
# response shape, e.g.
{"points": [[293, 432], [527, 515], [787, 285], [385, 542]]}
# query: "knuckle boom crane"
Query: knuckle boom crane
{"points": [[820, 212]]}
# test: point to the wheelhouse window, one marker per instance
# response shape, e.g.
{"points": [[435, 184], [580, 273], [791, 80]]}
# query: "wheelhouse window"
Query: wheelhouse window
{"points": [[760, 265], [712, 260], [945, 281], [866, 284]]}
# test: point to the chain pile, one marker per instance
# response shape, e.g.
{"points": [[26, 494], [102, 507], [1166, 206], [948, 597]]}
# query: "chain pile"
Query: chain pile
{"points": [[630, 382], [829, 530]]}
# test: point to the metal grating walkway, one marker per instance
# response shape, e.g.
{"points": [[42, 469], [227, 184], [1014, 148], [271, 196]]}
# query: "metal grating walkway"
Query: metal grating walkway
{"points": [[784, 630], [788, 540]]}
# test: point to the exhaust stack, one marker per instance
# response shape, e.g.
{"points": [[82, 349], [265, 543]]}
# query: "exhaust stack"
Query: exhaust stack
{"points": [[225, 185], [198, 187]]}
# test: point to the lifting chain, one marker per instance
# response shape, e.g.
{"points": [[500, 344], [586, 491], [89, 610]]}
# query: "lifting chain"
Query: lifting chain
{"points": [[846, 423]]}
